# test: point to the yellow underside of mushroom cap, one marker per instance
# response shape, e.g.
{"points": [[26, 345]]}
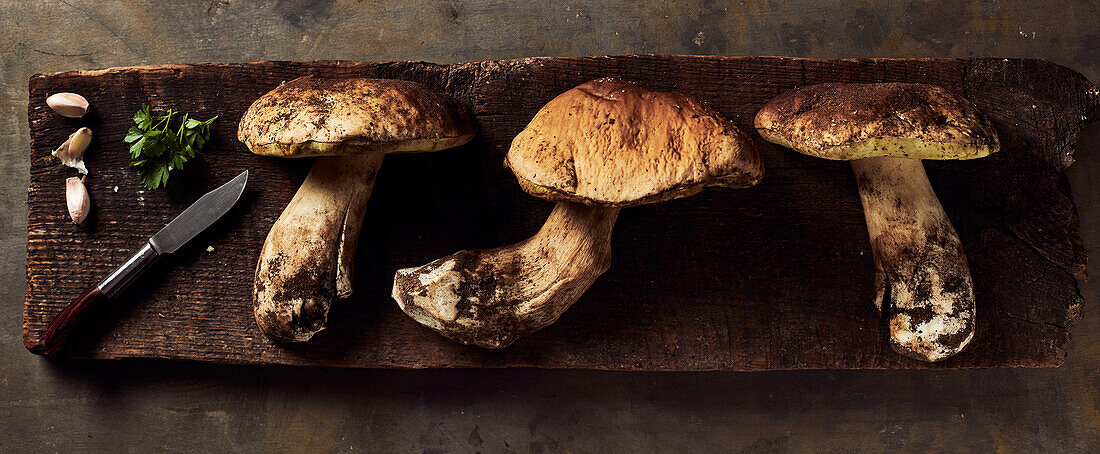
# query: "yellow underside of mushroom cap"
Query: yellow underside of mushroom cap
{"points": [[547, 193], [897, 147], [309, 149]]}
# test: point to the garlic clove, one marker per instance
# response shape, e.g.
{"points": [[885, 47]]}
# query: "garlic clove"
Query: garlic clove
{"points": [[69, 105], [71, 153], [76, 197], [80, 141]]}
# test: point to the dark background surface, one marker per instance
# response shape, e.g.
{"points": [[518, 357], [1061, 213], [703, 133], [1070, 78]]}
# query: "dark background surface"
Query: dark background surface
{"points": [[162, 406]]}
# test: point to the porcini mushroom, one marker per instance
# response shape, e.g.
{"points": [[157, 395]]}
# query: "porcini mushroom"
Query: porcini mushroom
{"points": [[306, 261], [885, 130], [604, 145]]}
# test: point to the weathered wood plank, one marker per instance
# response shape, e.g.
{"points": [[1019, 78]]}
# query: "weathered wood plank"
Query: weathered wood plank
{"points": [[773, 277]]}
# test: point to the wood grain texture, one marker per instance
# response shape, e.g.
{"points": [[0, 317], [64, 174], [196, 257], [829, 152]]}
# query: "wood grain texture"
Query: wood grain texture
{"points": [[774, 277]]}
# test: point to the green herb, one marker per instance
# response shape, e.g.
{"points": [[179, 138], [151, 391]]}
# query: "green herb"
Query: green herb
{"points": [[157, 148]]}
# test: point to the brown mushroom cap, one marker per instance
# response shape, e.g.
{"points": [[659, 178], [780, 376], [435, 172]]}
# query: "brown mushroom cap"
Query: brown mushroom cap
{"points": [[310, 116], [844, 121], [609, 142]]}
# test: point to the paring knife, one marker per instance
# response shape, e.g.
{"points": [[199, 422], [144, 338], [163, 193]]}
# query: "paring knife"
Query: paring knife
{"points": [[183, 228]]}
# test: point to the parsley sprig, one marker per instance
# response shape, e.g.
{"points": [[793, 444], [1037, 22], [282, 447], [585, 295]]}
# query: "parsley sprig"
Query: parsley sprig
{"points": [[157, 148]]}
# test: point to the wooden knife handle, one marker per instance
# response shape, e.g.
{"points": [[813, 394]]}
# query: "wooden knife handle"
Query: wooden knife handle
{"points": [[62, 328]]}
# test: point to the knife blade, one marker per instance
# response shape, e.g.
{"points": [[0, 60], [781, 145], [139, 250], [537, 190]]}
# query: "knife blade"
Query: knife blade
{"points": [[188, 224]]}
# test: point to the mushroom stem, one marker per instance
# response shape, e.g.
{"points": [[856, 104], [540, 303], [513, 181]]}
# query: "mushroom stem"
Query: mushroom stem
{"points": [[921, 257], [491, 297], [306, 262]]}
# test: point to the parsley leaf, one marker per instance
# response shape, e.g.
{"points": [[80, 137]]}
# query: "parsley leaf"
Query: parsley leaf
{"points": [[157, 149]]}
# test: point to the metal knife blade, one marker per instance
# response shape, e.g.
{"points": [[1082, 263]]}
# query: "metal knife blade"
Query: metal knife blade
{"points": [[199, 215]]}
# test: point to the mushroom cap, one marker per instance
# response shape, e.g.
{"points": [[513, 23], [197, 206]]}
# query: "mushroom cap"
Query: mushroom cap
{"points": [[311, 116], [609, 142], [843, 121]]}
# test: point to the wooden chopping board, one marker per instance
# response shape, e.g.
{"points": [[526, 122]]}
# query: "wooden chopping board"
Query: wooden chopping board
{"points": [[778, 276]]}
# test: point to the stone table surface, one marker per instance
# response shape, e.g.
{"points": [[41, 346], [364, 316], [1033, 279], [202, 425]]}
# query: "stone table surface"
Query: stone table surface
{"points": [[146, 406]]}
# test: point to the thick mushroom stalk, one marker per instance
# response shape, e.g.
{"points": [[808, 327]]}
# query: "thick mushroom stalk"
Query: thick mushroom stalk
{"points": [[492, 297], [920, 256], [306, 262]]}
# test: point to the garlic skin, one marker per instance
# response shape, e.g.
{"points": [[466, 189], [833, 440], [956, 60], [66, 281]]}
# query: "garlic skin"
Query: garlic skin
{"points": [[69, 105], [76, 197], [71, 153]]}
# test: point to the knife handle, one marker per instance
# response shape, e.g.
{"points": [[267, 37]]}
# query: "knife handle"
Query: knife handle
{"points": [[61, 328]]}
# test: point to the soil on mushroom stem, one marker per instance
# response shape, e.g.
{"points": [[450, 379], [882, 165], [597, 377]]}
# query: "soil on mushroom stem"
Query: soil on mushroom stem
{"points": [[312, 283]]}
